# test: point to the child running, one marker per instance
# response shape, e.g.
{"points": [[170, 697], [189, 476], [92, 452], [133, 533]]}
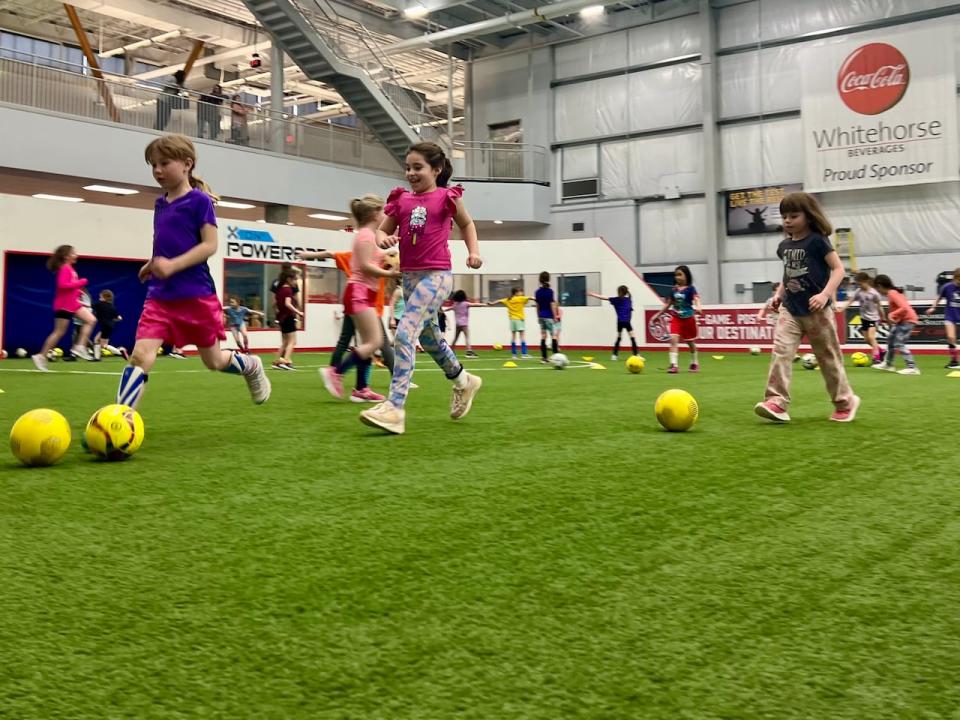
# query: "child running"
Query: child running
{"points": [[950, 294], [518, 325], [548, 315], [237, 322], [421, 217], [903, 318], [623, 305], [107, 318], [182, 306], [461, 320], [871, 312], [812, 271], [360, 300], [66, 305], [684, 306]]}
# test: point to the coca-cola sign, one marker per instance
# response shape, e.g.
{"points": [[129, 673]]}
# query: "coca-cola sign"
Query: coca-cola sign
{"points": [[873, 78]]}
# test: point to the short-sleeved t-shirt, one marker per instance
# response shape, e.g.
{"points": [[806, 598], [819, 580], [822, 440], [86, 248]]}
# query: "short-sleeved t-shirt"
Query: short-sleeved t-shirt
{"points": [[236, 316], [362, 237], [545, 298], [283, 292], [869, 300], [623, 307], [805, 270], [951, 297], [515, 306], [176, 229], [683, 300], [105, 312], [461, 313], [424, 221]]}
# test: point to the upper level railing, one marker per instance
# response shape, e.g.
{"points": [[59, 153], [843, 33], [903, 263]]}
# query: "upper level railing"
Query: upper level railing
{"points": [[136, 104]]}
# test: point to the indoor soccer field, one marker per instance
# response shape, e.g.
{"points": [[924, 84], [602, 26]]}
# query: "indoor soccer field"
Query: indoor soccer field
{"points": [[553, 555]]}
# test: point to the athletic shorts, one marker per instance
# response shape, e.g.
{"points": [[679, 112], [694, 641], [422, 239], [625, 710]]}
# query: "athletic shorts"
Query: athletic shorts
{"points": [[952, 315], [518, 325], [867, 324], [547, 324], [624, 325], [686, 327], [194, 321], [106, 330], [288, 325], [357, 298], [63, 315], [237, 328]]}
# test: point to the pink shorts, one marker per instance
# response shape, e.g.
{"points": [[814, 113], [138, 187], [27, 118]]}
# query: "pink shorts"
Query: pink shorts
{"points": [[196, 321], [686, 327], [357, 298]]}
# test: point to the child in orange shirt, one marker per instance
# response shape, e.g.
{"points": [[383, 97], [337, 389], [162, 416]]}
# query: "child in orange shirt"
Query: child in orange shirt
{"points": [[902, 319]]}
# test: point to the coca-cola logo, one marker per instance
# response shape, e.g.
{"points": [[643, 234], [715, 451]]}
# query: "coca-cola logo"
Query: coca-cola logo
{"points": [[873, 78]]}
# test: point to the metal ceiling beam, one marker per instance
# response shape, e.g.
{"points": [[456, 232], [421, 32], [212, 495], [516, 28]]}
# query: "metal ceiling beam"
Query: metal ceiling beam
{"points": [[207, 60], [426, 7], [92, 61], [147, 42], [192, 57]]}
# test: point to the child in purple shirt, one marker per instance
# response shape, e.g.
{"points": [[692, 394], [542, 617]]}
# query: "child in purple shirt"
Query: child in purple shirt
{"points": [[950, 294], [548, 316], [182, 306], [623, 305]]}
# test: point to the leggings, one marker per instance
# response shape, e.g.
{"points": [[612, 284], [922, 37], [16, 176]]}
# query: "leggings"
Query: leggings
{"points": [[425, 292], [347, 331]]}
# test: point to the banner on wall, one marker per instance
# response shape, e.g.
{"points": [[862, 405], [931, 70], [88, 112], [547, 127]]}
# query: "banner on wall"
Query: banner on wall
{"points": [[756, 210], [880, 113], [725, 326], [929, 331]]}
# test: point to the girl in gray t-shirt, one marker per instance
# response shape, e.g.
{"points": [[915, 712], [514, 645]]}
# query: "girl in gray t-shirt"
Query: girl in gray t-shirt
{"points": [[871, 312]]}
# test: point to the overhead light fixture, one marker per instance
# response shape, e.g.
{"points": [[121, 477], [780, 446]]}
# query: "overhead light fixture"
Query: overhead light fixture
{"points": [[415, 12], [111, 189], [328, 216], [591, 11], [62, 198], [234, 205], [498, 222]]}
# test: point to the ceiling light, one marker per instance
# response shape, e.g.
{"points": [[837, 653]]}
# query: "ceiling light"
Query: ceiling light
{"points": [[328, 216], [591, 11], [498, 222], [111, 189], [235, 205], [63, 198], [415, 12]]}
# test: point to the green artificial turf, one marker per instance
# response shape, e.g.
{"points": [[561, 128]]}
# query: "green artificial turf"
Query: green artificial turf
{"points": [[553, 555]]}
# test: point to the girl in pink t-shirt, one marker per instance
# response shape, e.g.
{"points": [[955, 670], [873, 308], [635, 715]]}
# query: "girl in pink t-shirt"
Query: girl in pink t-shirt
{"points": [[66, 305], [360, 300], [422, 218]]}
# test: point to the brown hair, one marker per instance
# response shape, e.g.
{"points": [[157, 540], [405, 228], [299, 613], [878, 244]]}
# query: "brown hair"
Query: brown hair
{"points": [[883, 282], [107, 295], [544, 278], [808, 205], [287, 276], [364, 208], [59, 257], [863, 277], [623, 291], [436, 158], [178, 147]]}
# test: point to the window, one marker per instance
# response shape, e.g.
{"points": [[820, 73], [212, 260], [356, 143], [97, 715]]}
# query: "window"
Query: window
{"points": [[252, 282], [326, 285], [572, 289]]}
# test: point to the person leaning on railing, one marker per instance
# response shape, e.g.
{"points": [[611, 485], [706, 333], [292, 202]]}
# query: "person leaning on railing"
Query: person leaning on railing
{"points": [[239, 133], [170, 99], [208, 113]]}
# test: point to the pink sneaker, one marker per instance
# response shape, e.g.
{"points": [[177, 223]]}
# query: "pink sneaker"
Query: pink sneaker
{"points": [[849, 414], [771, 411], [333, 381], [694, 367], [366, 395], [672, 370]]}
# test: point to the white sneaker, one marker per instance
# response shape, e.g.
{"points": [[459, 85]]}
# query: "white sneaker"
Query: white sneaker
{"points": [[883, 366], [386, 417], [78, 351], [40, 362], [462, 398], [909, 371], [613, 358], [257, 381]]}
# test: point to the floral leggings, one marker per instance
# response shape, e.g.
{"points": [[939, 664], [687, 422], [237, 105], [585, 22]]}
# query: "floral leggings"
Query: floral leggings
{"points": [[425, 292]]}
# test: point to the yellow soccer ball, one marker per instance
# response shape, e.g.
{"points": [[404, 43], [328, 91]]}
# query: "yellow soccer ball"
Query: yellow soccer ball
{"points": [[105, 353], [497, 346], [40, 437], [860, 359], [635, 364], [115, 432], [676, 410]]}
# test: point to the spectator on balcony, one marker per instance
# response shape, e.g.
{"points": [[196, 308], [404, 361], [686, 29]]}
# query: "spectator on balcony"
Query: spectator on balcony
{"points": [[208, 113], [239, 134], [171, 99]]}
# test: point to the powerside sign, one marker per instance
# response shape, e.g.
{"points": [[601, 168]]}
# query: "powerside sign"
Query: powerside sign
{"points": [[260, 245]]}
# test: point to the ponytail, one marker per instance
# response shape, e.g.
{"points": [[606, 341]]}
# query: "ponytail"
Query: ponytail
{"points": [[178, 147], [199, 183]]}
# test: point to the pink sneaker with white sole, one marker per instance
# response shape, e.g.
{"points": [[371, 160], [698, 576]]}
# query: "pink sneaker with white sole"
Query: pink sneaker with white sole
{"points": [[332, 381], [771, 411], [366, 396], [849, 414]]}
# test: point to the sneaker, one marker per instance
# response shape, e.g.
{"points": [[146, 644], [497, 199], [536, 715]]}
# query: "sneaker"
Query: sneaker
{"points": [[952, 365], [694, 367], [333, 381], [257, 381], [672, 370], [470, 354], [277, 365], [124, 353], [613, 358], [40, 362], [527, 357], [414, 386], [378, 362], [81, 352], [909, 371], [288, 366], [366, 395], [384, 416], [544, 361], [462, 399], [771, 411], [178, 355], [882, 366], [514, 358], [849, 414]]}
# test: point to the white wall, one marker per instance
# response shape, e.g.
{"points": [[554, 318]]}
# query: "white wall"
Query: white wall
{"points": [[33, 225]]}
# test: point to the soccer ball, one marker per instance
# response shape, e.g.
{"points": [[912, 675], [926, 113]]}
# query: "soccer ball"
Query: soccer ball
{"points": [[105, 353], [54, 354], [809, 361], [755, 350], [676, 410], [559, 361], [497, 346], [3, 354], [635, 364], [40, 437], [115, 432], [860, 359], [20, 353]]}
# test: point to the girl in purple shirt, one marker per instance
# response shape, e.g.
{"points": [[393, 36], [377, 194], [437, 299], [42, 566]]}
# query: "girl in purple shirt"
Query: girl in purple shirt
{"points": [[422, 218], [182, 306]]}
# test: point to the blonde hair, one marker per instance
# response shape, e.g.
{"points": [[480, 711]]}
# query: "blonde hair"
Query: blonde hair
{"points": [[178, 147], [808, 205], [364, 208]]}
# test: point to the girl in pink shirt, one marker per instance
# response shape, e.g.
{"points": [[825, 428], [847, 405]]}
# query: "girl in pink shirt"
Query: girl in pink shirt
{"points": [[66, 305], [422, 218], [902, 319], [360, 300]]}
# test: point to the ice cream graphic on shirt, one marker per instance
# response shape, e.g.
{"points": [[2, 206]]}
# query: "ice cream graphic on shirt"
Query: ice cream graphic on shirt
{"points": [[418, 220]]}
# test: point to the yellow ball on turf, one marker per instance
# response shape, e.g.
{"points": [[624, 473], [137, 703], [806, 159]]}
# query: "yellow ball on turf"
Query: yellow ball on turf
{"points": [[497, 346], [106, 353], [115, 432], [635, 364], [40, 437], [860, 359], [676, 410]]}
